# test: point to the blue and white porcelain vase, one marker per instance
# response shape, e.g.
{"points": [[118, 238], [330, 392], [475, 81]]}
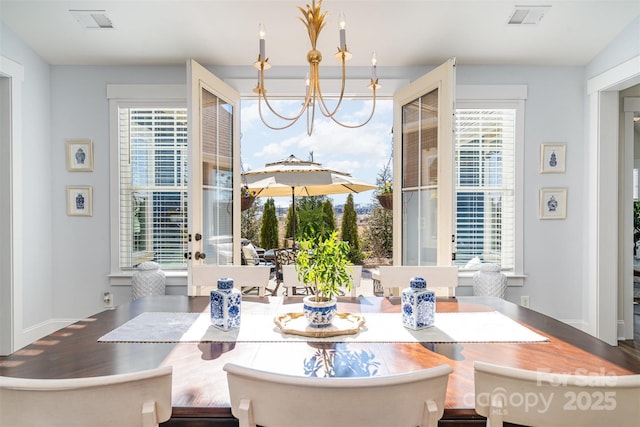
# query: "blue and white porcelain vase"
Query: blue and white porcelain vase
{"points": [[418, 305], [319, 314], [225, 305], [490, 281]]}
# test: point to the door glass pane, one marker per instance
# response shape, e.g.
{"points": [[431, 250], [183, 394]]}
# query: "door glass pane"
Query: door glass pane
{"points": [[420, 180], [217, 179]]}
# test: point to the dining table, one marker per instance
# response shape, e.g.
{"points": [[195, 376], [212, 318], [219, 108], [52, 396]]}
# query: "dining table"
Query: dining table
{"points": [[200, 394]]}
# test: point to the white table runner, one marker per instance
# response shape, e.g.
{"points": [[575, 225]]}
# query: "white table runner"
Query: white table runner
{"points": [[161, 327]]}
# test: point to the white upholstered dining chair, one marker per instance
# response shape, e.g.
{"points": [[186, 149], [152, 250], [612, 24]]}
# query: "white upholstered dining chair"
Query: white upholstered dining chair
{"points": [[204, 278], [277, 400], [133, 399], [540, 398], [443, 280]]}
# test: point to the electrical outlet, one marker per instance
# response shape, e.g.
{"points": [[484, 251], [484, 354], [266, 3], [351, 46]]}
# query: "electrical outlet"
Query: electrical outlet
{"points": [[107, 300], [524, 301]]}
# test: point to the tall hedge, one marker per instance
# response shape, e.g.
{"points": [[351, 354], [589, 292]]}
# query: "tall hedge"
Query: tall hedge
{"points": [[269, 229]]}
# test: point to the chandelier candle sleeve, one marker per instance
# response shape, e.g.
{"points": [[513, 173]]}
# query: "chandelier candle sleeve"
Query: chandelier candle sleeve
{"points": [[374, 64], [343, 36], [262, 32]]}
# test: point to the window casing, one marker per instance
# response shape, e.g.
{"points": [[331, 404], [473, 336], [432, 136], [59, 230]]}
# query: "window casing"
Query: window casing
{"points": [[149, 182], [488, 176]]}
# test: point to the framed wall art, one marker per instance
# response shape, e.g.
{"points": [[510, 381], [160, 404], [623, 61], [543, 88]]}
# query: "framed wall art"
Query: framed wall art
{"points": [[79, 156], [553, 203], [79, 201], [552, 158]]}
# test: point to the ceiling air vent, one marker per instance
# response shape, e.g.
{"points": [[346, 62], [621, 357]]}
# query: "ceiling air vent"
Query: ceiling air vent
{"points": [[93, 19], [528, 15]]}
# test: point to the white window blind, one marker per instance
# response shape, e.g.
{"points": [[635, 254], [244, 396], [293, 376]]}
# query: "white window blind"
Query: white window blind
{"points": [[485, 186], [153, 186]]}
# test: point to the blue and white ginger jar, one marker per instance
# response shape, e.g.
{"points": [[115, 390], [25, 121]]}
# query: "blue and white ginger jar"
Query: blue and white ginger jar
{"points": [[225, 305], [418, 305]]}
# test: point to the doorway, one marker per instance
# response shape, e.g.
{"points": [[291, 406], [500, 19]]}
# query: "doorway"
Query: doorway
{"points": [[11, 76], [604, 227]]}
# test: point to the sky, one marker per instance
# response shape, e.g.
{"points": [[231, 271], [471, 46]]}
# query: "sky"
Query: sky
{"points": [[363, 152]]}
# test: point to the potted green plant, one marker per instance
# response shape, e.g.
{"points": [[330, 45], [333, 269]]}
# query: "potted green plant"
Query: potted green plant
{"points": [[323, 265]]}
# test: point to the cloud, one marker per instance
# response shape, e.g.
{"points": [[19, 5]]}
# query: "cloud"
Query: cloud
{"points": [[362, 151]]}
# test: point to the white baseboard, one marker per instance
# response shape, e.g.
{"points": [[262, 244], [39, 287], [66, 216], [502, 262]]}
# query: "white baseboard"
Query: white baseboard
{"points": [[35, 332], [576, 323]]}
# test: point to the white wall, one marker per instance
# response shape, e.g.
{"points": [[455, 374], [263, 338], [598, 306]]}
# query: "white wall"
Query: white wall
{"points": [[80, 111], [552, 248], [36, 175]]}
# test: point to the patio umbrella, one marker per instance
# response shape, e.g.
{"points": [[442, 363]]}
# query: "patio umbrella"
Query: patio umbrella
{"points": [[296, 177]]}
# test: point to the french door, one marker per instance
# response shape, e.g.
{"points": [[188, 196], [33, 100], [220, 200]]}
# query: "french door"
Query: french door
{"points": [[424, 191], [214, 165]]}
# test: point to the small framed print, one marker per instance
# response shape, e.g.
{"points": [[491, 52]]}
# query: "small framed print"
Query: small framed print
{"points": [[552, 158], [79, 156], [553, 203], [80, 201]]}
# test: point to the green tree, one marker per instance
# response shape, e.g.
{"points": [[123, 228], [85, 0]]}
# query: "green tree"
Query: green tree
{"points": [[378, 234], [250, 222], [350, 231], [329, 215], [288, 229], [269, 229], [316, 217]]}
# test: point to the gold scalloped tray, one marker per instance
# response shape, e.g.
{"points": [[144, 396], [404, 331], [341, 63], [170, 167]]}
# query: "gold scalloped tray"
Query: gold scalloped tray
{"points": [[343, 324]]}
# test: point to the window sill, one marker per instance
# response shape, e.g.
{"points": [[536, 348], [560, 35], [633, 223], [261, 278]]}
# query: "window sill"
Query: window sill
{"points": [[174, 278], [465, 278]]}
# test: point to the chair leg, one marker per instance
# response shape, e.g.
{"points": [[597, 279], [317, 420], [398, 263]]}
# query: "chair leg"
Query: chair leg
{"points": [[274, 291]]}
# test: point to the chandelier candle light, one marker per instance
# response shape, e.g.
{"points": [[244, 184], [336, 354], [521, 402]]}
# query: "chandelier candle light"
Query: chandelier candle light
{"points": [[313, 19]]}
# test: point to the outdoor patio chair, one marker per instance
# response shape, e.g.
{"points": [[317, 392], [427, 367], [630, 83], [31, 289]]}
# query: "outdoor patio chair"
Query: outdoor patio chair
{"points": [[282, 256]]}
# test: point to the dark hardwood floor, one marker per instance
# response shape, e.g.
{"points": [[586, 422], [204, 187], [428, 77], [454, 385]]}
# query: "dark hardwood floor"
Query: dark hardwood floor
{"points": [[632, 347]]}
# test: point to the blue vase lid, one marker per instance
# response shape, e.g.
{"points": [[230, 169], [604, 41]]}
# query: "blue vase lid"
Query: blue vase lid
{"points": [[225, 283], [418, 283]]}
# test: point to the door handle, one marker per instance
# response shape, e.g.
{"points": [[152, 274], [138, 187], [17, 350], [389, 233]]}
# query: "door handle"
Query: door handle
{"points": [[200, 255]]}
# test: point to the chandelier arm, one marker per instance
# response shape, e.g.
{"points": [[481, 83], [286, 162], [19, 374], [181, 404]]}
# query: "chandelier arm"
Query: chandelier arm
{"points": [[373, 110], [272, 127], [323, 107], [263, 93], [313, 116]]}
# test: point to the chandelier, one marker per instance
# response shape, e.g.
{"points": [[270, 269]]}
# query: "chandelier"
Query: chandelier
{"points": [[313, 19]]}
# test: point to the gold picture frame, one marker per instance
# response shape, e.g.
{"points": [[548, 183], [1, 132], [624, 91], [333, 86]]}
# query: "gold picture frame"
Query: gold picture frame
{"points": [[553, 158], [553, 203], [80, 200], [80, 156]]}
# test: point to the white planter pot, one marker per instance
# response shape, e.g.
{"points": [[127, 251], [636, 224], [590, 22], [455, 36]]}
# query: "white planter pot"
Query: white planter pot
{"points": [[148, 279], [319, 314], [489, 281]]}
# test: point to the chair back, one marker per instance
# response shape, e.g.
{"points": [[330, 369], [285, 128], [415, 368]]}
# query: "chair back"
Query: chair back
{"points": [[134, 399], [442, 279], [505, 394], [277, 400], [204, 278], [291, 282], [356, 278]]}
